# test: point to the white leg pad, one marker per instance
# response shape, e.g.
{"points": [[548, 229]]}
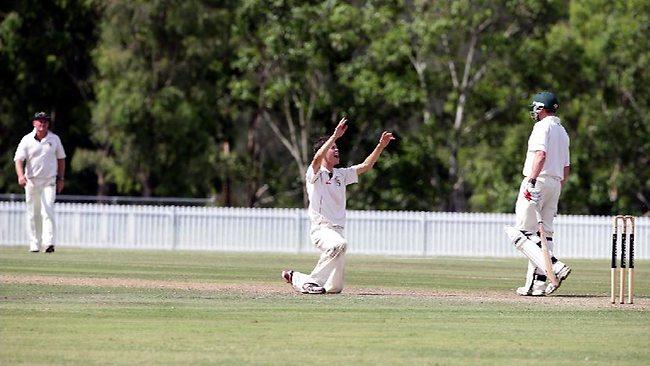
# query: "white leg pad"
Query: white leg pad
{"points": [[526, 246], [533, 252]]}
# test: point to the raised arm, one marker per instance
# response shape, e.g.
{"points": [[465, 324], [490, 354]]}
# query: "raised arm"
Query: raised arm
{"points": [[320, 154], [384, 140]]}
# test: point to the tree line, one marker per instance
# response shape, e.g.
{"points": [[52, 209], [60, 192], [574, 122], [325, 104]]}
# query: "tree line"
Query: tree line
{"points": [[200, 98]]}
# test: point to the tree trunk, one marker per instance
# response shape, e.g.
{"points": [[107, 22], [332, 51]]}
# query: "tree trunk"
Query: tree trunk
{"points": [[252, 148], [226, 193], [458, 202], [143, 178], [102, 187]]}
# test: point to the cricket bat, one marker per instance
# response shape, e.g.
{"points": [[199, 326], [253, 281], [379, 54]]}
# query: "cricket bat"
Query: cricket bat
{"points": [[550, 274]]}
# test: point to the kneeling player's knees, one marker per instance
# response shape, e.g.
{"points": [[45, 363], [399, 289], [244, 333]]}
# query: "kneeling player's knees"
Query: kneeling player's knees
{"points": [[342, 246]]}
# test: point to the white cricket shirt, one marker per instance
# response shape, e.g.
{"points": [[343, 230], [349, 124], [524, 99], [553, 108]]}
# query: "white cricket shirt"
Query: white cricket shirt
{"points": [[550, 136], [326, 193], [40, 156]]}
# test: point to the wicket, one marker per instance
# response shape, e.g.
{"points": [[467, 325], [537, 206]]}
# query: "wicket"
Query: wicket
{"points": [[627, 222]]}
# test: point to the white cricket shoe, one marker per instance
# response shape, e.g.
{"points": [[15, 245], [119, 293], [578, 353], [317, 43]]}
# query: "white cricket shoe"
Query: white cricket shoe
{"points": [[537, 289], [561, 275], [312, 288]]}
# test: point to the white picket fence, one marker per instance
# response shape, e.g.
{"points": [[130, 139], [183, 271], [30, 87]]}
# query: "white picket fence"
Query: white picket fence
{"points": [[400, 233]]}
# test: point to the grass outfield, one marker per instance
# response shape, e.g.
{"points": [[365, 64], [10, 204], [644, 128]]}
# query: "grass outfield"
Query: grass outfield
{"points": [[86, 307]]}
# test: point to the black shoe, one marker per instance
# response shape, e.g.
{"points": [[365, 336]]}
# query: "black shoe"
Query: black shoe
{"points": [[50, 249]]}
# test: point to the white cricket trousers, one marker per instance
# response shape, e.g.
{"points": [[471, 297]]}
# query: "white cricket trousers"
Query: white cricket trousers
{"points": [[527, 219], [330, 269], [39, 201], [525, 211]]}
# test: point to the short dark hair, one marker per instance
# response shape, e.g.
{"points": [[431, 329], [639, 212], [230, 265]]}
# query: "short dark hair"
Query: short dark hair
{"points": [[320, 142]]}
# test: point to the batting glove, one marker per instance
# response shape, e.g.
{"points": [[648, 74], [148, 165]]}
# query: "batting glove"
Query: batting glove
{"points": [[532, 193]]}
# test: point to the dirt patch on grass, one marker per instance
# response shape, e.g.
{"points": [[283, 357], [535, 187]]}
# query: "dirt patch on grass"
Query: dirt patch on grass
{"points": [[590, 301], [558, 299], [140, 283]]}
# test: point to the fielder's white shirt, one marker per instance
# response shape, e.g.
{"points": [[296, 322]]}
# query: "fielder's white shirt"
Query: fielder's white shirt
{"points": [[549, 136], [40, 156], [326, 191]]}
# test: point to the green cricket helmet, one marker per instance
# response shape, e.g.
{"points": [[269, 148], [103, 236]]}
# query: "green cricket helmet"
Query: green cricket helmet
{"points": [[543, 100]]}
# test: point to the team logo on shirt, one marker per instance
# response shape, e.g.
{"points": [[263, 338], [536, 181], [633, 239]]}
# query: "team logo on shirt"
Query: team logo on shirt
{"points": [[337, 180]]}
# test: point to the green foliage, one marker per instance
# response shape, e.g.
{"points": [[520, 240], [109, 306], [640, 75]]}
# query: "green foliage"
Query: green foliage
{"points": [[154, 117], [193, 98], [607, 102], [45, 64]]}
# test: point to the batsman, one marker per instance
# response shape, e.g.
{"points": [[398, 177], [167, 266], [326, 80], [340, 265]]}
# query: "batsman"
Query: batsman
{"points": [[546, 170]]}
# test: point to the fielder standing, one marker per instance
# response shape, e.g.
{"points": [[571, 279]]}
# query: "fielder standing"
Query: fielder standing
{"points": [[326, 188], [40, 167], [545, 171]]}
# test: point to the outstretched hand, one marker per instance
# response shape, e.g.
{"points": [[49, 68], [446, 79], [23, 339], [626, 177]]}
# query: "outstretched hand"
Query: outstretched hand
{"points": [[386, 138], [341, 127]]}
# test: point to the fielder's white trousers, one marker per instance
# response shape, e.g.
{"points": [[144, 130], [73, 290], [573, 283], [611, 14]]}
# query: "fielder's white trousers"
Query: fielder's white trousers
{"points": [[39, 201], [329, 272], [526, 217]]}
